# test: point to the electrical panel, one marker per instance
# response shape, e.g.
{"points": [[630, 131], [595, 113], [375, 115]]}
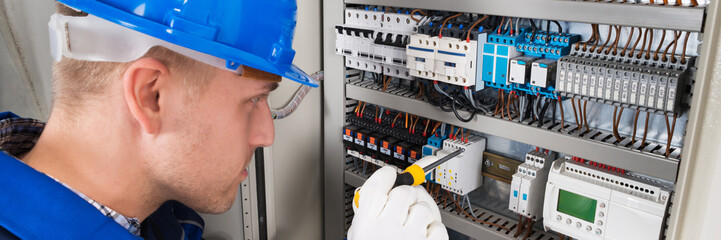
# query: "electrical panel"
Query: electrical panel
{"points": [[573, 126]]}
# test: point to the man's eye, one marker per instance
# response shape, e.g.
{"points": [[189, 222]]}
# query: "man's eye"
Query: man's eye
{"points": [[255, 100]]}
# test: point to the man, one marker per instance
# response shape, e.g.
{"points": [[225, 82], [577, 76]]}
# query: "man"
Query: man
{"points": [[157, 108]]}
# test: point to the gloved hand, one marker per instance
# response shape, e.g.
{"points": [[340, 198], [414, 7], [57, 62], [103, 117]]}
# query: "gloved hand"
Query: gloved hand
{"points": [[404, 212]]}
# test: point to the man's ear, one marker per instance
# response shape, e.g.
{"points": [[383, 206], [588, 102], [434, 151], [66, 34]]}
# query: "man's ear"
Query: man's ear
{"points": [[142, 84]]}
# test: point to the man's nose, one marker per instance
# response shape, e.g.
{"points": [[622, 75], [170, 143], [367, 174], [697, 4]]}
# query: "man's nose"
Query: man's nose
{"points": [[262, 129]]}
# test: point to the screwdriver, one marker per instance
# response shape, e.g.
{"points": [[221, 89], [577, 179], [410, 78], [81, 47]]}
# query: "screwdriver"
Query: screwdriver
{"points": [[416, 173]]}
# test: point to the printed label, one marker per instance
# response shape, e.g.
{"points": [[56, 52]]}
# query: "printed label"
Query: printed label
{"points": [[373, 146], [360, 142], [399, 156], [347, 138], [386, 151]]}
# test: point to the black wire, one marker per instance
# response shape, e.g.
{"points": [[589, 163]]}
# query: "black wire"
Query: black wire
{"points": [[542, 114], [534, 28], [560, 29], [548, 31], [455, 111]]}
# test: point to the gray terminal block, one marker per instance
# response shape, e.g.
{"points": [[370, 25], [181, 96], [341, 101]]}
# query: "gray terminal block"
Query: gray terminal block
{"points": [[520, 69], [561, 74]]}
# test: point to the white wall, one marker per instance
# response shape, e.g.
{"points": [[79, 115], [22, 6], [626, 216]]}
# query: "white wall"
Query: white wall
{"points": [[25, 74], [294, 210], [296, 153]]}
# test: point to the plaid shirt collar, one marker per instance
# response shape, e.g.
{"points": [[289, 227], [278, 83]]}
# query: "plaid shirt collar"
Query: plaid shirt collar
{"points": [[19, 135]]}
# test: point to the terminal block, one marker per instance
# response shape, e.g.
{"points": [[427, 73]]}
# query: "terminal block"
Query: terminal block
{"points": [[546, 45], [461, 174], [650, 85]]}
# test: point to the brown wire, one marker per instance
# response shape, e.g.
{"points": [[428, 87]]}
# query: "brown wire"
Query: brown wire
{"points": [[417, 11], [530, 228], [503, 102], [670, 131], [645, 130], [610, 32], [508, 106], [515, 101], [615, 42], [643, 46], [677, 35], [428, 121], [650, 43], [673, 52], [660, 44], [520, 226], [615, 123], [585, 116], [468, 37], [694, 3], [363, 110], [497, 102], [630, 36], [633, 49], [580, 114], [575, 115], [608, 39], [440, 33], [679, 3], [685, 41], [635, 122], [592, 38], [474, 218], [578, 44]]}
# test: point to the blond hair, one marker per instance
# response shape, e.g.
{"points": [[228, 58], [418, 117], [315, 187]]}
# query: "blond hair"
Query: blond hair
{"points": [[77, 81]]}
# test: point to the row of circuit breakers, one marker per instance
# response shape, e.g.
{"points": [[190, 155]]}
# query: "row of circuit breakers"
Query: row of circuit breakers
{"points": [[573, 196], [578, 198], [534, 62]]}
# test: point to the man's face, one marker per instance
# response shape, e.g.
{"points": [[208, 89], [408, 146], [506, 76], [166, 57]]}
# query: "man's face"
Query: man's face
{"points": [[209, 141]]}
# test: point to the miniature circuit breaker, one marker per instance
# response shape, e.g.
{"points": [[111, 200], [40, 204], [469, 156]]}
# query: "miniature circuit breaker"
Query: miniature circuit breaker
{"points": [[528, 185]]}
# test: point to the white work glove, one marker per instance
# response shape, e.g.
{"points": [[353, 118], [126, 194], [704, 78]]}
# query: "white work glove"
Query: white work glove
{"points": [[404, 212]]}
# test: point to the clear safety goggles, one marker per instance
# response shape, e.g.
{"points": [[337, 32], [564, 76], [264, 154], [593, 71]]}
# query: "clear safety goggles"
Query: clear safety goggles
{"points": [[91, 38]]}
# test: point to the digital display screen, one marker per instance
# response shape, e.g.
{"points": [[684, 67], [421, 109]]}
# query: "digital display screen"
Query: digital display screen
{"points": [[576, 205]]}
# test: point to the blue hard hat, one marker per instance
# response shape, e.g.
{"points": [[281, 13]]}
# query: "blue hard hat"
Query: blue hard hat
{"points": [[253, 33]]}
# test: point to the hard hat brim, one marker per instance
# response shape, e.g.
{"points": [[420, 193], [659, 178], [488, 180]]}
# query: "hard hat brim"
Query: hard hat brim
{"points": [[234, 57]]}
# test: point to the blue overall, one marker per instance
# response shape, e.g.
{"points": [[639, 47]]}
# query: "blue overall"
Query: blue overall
{"points": [[34, 206]]}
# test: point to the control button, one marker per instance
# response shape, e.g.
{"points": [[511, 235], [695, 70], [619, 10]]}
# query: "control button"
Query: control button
{"points": [[600, 223], [602, 205], [600, 214], [578, 224], [568, 221], [598, 231], [588, 228], [558, 217]]}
